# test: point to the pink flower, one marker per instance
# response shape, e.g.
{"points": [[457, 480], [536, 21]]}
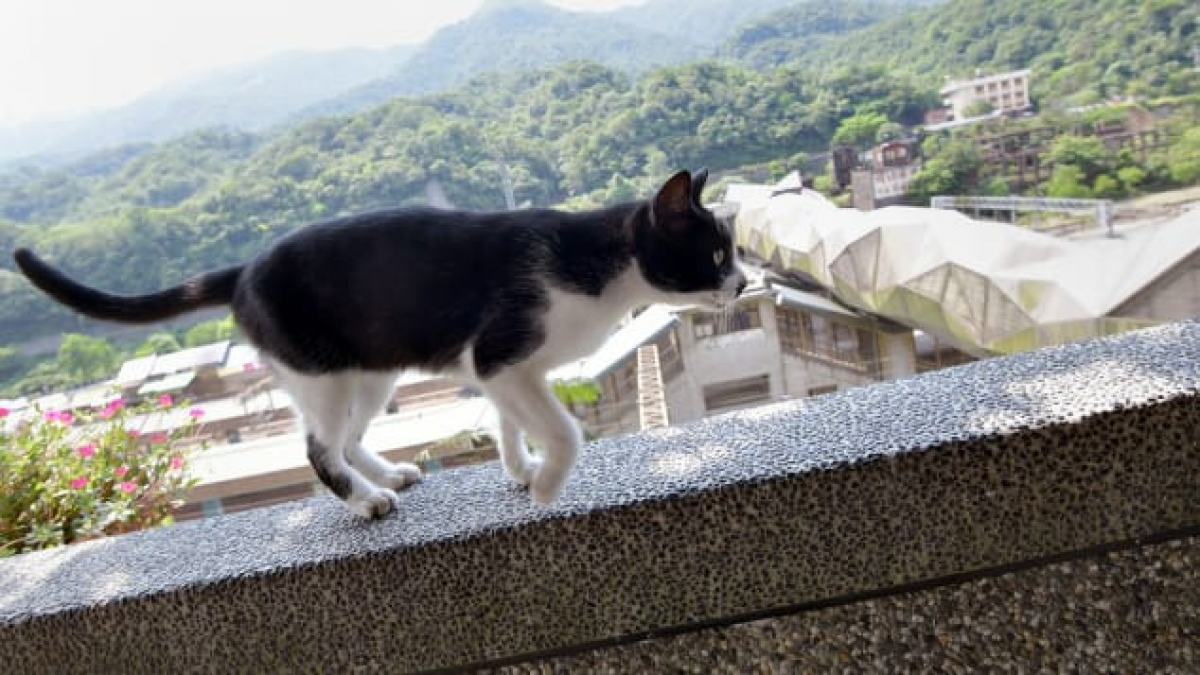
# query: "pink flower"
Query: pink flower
{"points": [[127, 487], [87, 450], [79, 483], [121, 471], [176, 462], [112, 407], [158, 437], [133, 433], [65, 417], [4, 413], [196, 413], [165, 400]]}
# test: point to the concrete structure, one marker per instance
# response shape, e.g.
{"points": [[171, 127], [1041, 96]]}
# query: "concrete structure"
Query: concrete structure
{"points": [[1018, 153], [1024, 513], [779, 342], [1005, 92]]}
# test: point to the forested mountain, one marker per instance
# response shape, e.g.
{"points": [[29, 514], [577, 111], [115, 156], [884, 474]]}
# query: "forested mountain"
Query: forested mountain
{"points": [[514, 36], [793, 33], [250, 97], [577, 133], [1081, 51], [703, 22]]}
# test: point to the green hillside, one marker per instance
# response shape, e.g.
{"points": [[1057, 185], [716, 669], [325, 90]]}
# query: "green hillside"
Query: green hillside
{"points": [[577, 134], [1081, 51]]}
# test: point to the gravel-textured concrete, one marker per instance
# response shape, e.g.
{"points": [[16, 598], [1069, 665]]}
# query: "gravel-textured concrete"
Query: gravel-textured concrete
{"points": [[989, 464], [1132, 611]]}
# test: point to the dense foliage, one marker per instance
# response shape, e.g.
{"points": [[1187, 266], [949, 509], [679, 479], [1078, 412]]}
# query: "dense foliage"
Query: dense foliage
{"points": [[1081, 51]]}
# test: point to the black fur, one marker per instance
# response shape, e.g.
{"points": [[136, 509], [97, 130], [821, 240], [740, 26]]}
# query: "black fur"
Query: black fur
{"points": [[414, 287], [318, 456]]}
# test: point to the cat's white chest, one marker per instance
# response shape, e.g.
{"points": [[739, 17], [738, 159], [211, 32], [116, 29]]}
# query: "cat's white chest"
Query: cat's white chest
{"points": [[576, 325]]}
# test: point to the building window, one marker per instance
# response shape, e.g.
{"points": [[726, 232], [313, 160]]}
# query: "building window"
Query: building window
{"points": [[735, 393], [712, 325], [812, 335], [818, 391]]}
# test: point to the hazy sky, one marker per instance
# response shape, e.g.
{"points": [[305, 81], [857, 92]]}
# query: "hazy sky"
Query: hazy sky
{"points": [[59, 57]]}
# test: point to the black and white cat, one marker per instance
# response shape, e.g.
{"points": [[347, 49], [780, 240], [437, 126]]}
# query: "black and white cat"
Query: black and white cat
{"points": [[339, 308]]}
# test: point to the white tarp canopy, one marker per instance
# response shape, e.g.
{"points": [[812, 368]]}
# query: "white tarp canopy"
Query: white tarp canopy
{"points": [[989, 287]]}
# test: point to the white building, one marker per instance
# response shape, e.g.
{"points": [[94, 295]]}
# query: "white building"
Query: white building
{"points": [[1004, 91]]}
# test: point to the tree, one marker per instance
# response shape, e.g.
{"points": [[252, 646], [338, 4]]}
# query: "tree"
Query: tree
{"points": [[86, 358], [1183, 159], [859, 129], [1107, 187], [1087, 153], [1131, 177], [951, 168], [158, 343], [1069, 181], [209, 332]]}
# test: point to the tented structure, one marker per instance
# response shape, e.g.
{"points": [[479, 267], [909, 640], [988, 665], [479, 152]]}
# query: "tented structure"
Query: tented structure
{"points": [[987, 287]]}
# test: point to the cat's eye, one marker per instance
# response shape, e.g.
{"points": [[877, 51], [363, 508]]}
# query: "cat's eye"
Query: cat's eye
{"points": [[718, 257]]}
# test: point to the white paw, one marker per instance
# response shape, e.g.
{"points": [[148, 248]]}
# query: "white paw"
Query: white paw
{"points": [[376, 503], [400, 475], [547, 485], [523, 474]]}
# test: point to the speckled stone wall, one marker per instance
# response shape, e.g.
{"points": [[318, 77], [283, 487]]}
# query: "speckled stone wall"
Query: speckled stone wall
{"points": [[796, 504], [1131, 611]]}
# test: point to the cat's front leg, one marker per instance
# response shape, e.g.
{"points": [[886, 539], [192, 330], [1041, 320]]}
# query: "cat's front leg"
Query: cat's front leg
{"points": [[525, 399]]}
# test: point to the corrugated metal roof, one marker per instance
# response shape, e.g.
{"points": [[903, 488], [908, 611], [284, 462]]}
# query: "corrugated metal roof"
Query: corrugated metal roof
{"points": [[139, 370]]}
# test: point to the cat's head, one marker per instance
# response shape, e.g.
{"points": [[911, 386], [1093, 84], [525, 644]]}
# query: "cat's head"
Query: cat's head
{"points": [[684, 251]]}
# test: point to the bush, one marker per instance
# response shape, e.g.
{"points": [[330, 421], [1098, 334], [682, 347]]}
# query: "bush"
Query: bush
{"points": [[1107, 186], [67, 477]]}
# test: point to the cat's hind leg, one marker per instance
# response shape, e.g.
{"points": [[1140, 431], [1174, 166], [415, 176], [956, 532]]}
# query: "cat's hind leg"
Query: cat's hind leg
{"points": [[518, 463], [524, 398], [325, 403], [369, 394]]}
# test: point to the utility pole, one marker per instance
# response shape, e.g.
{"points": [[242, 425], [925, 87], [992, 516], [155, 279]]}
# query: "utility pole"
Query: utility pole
{"points": [[510, 201]]}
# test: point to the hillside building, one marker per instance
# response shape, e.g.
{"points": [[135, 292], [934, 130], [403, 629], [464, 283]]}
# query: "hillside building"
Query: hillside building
{"points": [[1004, 92]]}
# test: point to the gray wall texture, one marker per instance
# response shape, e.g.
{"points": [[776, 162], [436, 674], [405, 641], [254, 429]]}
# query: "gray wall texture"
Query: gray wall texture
{"points": [[796, 506]]}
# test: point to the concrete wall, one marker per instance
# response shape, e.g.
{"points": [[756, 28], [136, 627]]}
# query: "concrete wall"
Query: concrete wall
{"points": [[883, 527], [1131, 610]]}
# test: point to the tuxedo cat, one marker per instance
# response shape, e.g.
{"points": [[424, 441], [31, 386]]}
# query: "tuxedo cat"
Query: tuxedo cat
{"points": [[338, 308]]}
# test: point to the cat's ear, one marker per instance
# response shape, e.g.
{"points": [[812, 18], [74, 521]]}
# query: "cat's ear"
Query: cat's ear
{"points": [[673, 198], [698, 179]]}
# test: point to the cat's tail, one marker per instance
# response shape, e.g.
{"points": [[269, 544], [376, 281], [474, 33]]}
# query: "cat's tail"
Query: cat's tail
{"points": [[212, 288]]}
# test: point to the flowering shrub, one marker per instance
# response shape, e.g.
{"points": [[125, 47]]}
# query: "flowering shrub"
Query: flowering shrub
{"points": [[68, 477]]}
